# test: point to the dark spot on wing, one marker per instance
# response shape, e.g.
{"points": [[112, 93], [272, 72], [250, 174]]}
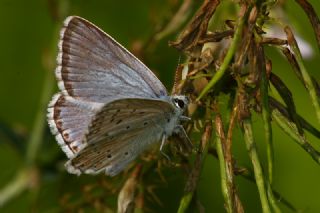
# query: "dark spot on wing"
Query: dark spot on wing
{"points": [[59, 124], [168, 120], [128, 127], [97, 151], [126, 153], [109, 156], [65, 135], [162, 93], [75, 148], [145, 123], [119, 121]]}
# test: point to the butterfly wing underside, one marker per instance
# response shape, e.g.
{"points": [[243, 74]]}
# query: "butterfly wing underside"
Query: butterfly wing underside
{"points": [[92, 66], [120, 131], [92, 70]]}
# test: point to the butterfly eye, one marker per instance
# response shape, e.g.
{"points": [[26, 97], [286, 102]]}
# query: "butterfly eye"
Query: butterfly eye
{"points": [[179, 103]]}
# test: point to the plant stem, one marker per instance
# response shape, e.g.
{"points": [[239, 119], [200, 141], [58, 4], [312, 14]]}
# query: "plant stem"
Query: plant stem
{"points": [[196, 170], [291, 129], [39, 124], [266, 113], [251, 147], [312, 15], [15, 187], [225, 182], [273, 201], [231, 51], [305, 75]]}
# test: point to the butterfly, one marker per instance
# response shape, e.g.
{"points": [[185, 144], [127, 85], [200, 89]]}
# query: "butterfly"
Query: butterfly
{"points": [[110, 106]]}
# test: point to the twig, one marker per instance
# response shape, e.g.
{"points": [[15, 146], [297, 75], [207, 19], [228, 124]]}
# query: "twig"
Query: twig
{"points": [[273, 41], [197, 28], [216, 36]]}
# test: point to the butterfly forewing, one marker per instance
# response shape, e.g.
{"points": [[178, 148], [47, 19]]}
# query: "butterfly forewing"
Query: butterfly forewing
{"points": [[94, 67], [112, 144]]}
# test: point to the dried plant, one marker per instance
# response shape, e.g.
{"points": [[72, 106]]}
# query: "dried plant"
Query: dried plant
{"points": [[241, 69]]}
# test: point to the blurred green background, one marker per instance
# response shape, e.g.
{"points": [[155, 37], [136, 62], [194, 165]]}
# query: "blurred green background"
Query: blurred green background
{"points": [[28, 39]]}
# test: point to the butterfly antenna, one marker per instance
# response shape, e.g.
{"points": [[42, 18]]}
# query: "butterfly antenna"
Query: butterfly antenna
{"points": [[177, 77]]}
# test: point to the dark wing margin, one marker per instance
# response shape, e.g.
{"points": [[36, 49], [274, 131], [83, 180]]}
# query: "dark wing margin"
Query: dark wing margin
{"points": [[92, 66], [68, 120]]}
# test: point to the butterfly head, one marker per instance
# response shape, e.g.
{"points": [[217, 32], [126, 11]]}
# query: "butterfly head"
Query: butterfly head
{"points": [[180, 102]]}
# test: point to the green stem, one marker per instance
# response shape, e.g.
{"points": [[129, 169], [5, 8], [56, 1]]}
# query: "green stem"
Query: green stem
{"points": [[291, 129], [268, 134], [196, 170], [231, 51], [223, 175], [305, 75], [273, 201], [12, 189], [39, 124], [185, 202], [251, 147], [267, 123]]}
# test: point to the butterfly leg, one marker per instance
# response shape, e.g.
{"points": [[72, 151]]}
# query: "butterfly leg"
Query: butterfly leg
{"points": [[163, 141], [184, 118], [181, 133]]}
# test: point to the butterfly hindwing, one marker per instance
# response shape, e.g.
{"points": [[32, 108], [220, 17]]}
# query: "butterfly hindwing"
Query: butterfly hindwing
{"points": [[121, 116], [111, 144], [69, 119]]}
